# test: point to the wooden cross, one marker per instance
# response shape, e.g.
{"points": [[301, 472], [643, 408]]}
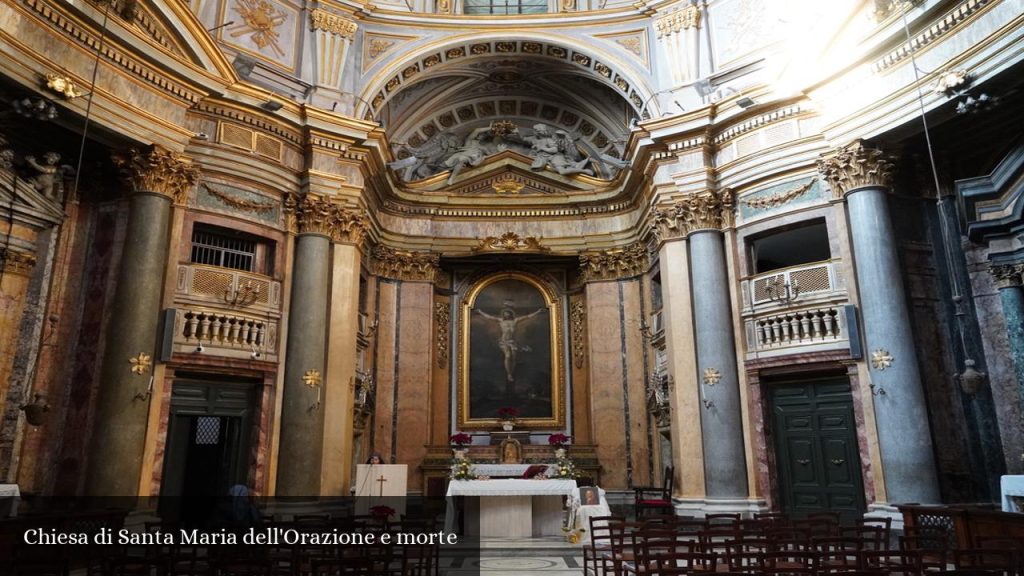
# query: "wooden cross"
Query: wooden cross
{"points": [[382, 480]]}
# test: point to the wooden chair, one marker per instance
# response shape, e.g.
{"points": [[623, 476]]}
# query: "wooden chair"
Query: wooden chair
{"points": [[605, 531], [653, 497]]}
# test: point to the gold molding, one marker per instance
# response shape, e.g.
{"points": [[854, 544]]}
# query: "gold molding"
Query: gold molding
{"points": [[856, 166], [140, 364], [578, 318], [404, 265], [332, 23], [314, 214], [467, 421], [613, 264], [510, 242], [63, 85], [156, 169], [16, 262], [706, 210]]}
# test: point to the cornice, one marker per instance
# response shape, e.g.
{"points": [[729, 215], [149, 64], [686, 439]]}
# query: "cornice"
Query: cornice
{"points": [[236, 112], [614, 264], [935, 31]]}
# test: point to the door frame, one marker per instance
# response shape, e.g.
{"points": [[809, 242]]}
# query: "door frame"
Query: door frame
{"points": [[764, 373]]}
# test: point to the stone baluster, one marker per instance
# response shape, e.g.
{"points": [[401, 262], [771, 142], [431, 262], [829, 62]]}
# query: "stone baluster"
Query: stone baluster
{"points": [[862, 176], [157, 178]]}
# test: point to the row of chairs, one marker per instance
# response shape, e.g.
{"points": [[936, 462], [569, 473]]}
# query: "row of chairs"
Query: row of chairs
{"points": [[775, 545]]}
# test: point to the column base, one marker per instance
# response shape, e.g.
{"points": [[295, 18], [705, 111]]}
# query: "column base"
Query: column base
{"points": [[701, 507]]}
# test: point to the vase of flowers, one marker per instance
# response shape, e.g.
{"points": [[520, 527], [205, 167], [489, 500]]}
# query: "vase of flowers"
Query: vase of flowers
{"points": [[459, 442], [508, 417], [558, 442]]}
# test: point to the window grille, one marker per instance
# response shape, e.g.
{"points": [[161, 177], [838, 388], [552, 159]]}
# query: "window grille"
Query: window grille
{"points": [[207, 430], [209, 247], [505, 7]]}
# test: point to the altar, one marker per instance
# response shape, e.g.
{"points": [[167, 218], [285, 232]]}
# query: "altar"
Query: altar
{"points": [[510, 508]]}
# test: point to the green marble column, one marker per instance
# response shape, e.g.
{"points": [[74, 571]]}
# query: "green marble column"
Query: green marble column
{"points": [[157, 178], [1011, 293]]}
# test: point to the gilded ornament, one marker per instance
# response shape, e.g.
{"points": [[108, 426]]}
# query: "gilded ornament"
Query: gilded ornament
{"points": [[141, 363], [508, 185], [614, 264], [15, 262], [62, 85], [156, 169], [950, 82], [379, 46], [332, 23], [855, 166], [240, 203], [631, 44], [444, 7], [442, 319], [260, 20], [775, 200], [577, 317], [311, 378], [1007, 275], [712, 376], [404, 265], [881, 359], [510, 241]]}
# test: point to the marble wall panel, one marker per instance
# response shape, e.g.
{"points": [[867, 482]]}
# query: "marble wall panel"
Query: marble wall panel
{"points": [[607, 407], [412, 388]]}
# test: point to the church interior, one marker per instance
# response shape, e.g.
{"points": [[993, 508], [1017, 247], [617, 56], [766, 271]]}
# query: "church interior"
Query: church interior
{"points": [[767, 254]]}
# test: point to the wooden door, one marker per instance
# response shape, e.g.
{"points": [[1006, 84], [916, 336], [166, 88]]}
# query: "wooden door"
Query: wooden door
{"points": [[816, 453]]}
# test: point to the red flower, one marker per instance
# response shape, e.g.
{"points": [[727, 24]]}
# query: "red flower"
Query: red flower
{"points": [[508, 413], [558, 440], [460, 439], [385, 511]]}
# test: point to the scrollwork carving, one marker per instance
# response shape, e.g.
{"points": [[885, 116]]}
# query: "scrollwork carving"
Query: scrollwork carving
{"points": [[577, 319], [510, 241], [442, 320]]}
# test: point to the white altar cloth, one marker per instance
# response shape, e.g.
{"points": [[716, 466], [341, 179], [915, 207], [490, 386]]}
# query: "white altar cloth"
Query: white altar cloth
{"points": [[1012, 485], [494, 470], [580, 515], [511, 508]]}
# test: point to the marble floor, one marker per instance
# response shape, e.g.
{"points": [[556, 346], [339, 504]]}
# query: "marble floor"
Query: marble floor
{"points": [[519, 557]]}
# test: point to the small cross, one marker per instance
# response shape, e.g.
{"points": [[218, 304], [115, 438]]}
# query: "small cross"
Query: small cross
{"points": [[381, 480]]}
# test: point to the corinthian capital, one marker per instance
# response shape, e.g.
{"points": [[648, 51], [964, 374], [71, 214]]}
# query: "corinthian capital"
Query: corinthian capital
{"points": [[1007, 275], [854, 166], [158, 170], [404, 265], [313, 214], [332, 23], [613, 264], [704, 211]]}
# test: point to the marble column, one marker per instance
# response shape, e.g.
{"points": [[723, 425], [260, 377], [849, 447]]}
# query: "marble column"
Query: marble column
{"points": [[684, 392], [157, 178], [862, 176], [342, 351], [314, 219], [1011, 293]]}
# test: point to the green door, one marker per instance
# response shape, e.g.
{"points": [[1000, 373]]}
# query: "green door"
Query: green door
{"points": [[816, 452]]}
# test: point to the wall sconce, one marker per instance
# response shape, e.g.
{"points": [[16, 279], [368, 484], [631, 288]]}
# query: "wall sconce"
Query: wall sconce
{"points": [[35, 412], [970, 379], [782, 292], [243, 296], [645, 331], [38, 108]]}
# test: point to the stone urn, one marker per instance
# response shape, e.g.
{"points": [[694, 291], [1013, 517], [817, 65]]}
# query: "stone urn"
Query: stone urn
{"points": [[35, 413], [508, 425]]}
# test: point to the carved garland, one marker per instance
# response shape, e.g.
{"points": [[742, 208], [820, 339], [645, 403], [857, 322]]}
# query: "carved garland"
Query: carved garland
{"points": [[240, 203], [577, 318], [612, 264], [156, 169], [313, 214], [854, 166], [704, 211], [442, 317], [510, 241], [404, 265], [779, 199]]}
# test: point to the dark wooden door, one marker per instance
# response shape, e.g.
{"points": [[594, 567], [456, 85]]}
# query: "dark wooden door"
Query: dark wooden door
{"points": [[816, 452]]}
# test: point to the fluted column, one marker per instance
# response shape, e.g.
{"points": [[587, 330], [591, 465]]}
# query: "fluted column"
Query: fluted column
{"points": [[862, 177], [703, 217], [315, 220], [1011, 293], [157, 178]]}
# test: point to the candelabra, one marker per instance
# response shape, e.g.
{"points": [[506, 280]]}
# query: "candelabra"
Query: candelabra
{"points": [[243, 296], [782, 292]]}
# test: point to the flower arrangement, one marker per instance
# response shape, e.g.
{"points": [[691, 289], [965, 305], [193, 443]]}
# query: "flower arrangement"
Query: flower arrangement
{"points": [[558, 440], [508, 413], [462, 469], [564, 468], [460, 439], [382, 511]]}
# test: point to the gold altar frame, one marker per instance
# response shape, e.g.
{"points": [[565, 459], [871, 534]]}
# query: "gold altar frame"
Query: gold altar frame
{"points": [[465, 421]]}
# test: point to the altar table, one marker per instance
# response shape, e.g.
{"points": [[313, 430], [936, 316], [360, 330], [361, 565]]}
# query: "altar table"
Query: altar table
{"points": [[510, 508]]}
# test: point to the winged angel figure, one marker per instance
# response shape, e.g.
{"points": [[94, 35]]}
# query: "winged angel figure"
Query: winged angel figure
{"points": [[429, 158]]}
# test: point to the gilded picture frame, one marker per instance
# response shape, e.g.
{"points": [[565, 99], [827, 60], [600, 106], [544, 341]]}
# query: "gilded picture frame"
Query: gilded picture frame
{"points": [[511, 353]]}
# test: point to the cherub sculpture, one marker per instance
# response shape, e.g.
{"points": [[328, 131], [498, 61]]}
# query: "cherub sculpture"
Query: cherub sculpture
{"points": [[49, 178]]}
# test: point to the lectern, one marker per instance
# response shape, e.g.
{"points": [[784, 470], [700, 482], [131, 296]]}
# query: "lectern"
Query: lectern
{"points": [[381, 485]]}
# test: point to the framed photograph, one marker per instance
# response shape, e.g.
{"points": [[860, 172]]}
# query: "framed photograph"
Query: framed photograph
{"points": [[511, 353], [590, 496]]}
